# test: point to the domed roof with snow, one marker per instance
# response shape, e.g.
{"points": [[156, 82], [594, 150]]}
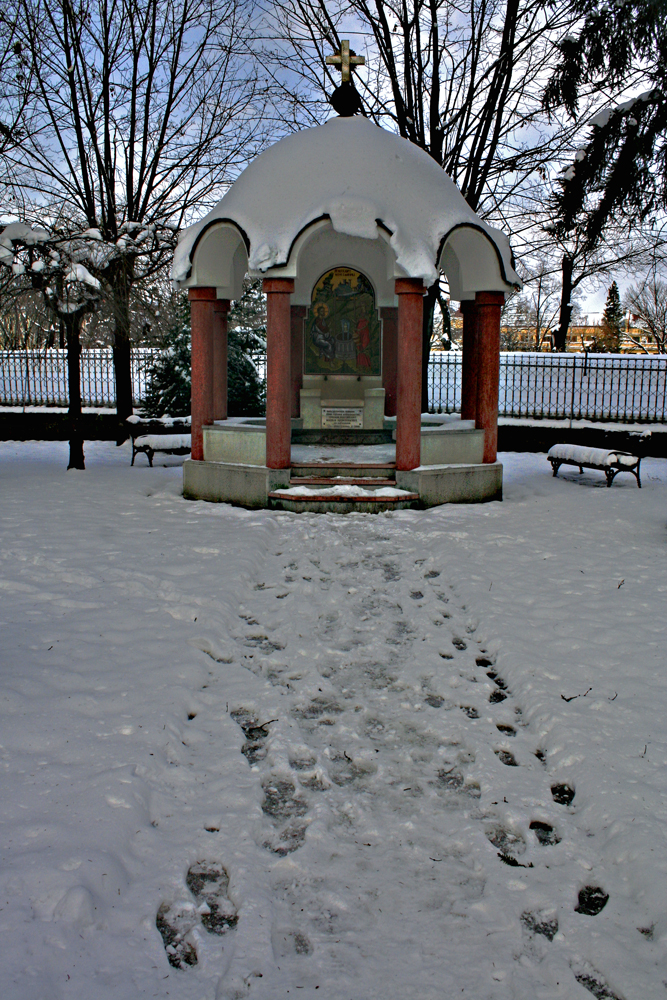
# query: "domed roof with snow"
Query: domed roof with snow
{"points": [[358, 175]]}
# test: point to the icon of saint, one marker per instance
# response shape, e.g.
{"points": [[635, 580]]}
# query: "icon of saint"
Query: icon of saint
{"points": [[320, 332]]}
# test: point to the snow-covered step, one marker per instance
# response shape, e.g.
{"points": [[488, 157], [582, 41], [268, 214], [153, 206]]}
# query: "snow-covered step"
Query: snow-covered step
{"points": [[341, 499]]}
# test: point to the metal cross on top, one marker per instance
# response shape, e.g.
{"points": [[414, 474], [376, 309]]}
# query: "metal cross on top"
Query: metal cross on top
{"points": [[345, 60]]}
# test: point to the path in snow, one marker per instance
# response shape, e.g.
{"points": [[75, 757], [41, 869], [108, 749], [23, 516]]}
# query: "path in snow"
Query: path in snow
{"points": [[388, 718]]}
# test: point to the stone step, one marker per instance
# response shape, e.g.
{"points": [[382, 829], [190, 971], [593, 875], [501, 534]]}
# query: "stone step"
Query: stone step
{"points": [[341, 504], [351, 470], [368, 482]]}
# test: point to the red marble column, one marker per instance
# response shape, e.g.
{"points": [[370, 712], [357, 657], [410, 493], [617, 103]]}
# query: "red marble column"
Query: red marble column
{"points": [[410, 293], [297, 316], [469, 360], [489, 305], [389, 317], [202, 320], [220, 310], [278, 365]]}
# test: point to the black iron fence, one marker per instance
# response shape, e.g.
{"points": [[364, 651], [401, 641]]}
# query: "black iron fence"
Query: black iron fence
{"points": [[39, 378], [615, 387]]}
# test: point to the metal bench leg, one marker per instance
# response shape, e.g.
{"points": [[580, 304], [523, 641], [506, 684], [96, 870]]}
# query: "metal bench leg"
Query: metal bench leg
{"points": [[149, 456], [555, 466], [610, 474]]}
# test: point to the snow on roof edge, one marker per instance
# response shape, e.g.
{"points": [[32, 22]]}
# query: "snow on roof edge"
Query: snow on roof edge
{"points": [[406, 191]]}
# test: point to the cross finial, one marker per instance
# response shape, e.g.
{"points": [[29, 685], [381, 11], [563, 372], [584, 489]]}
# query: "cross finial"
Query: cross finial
{"points": [[345, 60]]}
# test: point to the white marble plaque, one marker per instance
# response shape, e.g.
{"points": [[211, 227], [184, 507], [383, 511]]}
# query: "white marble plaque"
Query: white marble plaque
{"points": [[342, 417]]}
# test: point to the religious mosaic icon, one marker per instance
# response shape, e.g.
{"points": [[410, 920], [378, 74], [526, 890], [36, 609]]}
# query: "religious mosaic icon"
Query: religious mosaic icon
{"points": [[342, 327]]}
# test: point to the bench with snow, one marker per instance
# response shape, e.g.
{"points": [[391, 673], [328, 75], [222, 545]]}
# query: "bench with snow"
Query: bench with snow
{"points": [[609, 462], [157, 435]]}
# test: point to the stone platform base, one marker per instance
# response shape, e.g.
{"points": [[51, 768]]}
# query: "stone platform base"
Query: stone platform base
{"points": [[427, 486], [224, 482], [438, 484]]}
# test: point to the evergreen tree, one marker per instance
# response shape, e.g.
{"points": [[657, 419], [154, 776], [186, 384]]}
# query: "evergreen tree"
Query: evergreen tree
{"points": [[246, 390], [620, 174], [611, 327], [170, 377]]}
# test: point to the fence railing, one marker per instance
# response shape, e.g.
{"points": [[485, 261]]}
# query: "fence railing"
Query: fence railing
{"points": [[39, 378], [617, 387], [578, 386]]}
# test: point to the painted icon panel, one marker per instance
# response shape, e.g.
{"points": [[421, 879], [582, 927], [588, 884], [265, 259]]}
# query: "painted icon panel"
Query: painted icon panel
{"points": [[342, 326]]}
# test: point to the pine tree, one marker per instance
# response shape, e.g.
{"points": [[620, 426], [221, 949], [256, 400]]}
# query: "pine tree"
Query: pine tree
{"points": [[620, 173], [246, 391], [612, 323], [170, 377]]}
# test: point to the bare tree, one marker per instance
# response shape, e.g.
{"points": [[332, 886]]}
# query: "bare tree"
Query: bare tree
{"points": [[25, 322], [142, 111], [15, 84], [647, 302], [53, 263], [462, 81], [570, 255]]}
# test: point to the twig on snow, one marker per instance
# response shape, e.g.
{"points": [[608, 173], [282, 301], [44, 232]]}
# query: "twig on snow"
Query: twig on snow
{"points": [[577, 695]]}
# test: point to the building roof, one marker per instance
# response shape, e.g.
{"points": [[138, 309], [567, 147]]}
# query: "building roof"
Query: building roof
{"points": [[361, 177]]}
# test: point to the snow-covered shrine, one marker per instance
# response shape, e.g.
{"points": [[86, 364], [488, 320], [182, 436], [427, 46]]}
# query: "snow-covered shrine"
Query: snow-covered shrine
{"points": [[346, 223]]}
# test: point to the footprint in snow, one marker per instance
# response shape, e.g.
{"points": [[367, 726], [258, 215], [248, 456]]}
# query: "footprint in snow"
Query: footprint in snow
{"points": [[175, 922], [594, 982], [317, 708], [592, 900], [562, 794], [484, 661], [290, 942], [209, 884], [283, 806], [542, 922], [213, 909], [253, 749], [434, 700], [545, 833], [508, 843], [454, 784], [345, 770]]}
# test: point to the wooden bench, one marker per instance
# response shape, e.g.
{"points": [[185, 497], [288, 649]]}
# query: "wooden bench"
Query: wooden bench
{"points": [[159, 435], [609, 462]]}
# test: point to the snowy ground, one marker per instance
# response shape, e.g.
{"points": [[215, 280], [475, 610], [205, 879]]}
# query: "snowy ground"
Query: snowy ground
{"points": [[292, 739]]}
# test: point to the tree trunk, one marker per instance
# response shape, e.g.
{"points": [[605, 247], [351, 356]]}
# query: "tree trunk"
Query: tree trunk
{"points": [[122, 362], [76, 457], [565, 303], [121, 283], [430, 300]]}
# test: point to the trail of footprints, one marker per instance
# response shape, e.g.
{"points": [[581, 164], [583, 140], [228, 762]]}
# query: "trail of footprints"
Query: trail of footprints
{"points": [[365, 691]]}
